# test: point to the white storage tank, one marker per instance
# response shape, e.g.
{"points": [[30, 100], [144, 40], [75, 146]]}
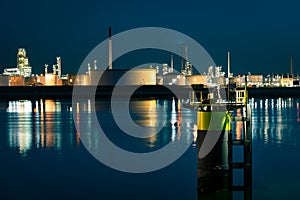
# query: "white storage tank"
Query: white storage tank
{"points": [[124, 76]]}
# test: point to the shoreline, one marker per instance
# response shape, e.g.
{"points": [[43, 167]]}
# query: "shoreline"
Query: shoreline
{"points": [[146, 91]]}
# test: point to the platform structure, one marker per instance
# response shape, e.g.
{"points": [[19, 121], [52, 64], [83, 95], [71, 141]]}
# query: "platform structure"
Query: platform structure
{"points": [[219, 170], [243, 165]]}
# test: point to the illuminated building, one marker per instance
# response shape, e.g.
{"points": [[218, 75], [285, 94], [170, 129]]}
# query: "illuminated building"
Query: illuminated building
{"points": [[82, 79], [23, 63], [286, 81], [165, 69], [15, 76], [196, 79], [170, 78], [114, 76], [11, 80], [54, 78], [255, 80], [50, 79], [16, 81], [239, 80], [11, 72], [56, 68]]}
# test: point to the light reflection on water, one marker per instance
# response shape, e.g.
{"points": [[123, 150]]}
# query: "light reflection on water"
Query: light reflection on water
{"points": [[177, 124], [48, 125], [275, 127], [40, 124], [273, 120], [35, 124], [43, 134]]}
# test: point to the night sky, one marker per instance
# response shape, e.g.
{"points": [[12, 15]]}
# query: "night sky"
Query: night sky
{"points": [[261, 34]]}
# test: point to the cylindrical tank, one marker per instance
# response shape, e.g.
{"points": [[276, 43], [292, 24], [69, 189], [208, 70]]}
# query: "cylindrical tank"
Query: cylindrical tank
{"points": [[125, 77], [196, 79]]}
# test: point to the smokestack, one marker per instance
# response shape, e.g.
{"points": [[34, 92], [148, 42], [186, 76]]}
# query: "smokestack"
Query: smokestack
{"points": [[54, 69], [109, 49], [172, 63], [95, 64], [58, 64], [291, 66], [183, 59], [46, 69], [89, 69], [182, 64], [186, 53], [228, 64]]}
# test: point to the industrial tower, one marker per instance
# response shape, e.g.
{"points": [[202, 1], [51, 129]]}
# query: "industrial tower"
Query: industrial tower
{"points": [[23, 63]]}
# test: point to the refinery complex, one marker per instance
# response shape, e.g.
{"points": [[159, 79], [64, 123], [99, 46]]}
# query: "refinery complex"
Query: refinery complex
{"points": [[22, 75]]}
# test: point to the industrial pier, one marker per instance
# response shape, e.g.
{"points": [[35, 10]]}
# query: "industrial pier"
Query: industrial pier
{"points": [[218, 143]]}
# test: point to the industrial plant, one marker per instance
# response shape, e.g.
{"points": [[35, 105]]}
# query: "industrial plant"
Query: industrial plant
{"points": [[22, 75]]}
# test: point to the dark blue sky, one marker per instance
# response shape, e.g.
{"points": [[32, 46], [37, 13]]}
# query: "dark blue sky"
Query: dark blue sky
{"points": [[261, 34]]}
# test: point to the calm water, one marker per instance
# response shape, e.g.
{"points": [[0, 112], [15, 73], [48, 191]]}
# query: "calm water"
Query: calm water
{"points": [[42, 157]]}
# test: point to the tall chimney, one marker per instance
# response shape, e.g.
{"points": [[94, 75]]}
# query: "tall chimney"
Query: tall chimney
{"points": [[186, 53], [58, 64], [95, 64], [291, 66], [109, 49], [172, 63], [89, 69], [46, 69], [54, 69], [228, 64]]}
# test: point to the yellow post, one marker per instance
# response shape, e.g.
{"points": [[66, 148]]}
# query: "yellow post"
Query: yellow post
{"points": [[213, 121], [246, 97]]}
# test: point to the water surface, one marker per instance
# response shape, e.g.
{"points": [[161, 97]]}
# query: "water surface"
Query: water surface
{"points": [[42, 157]]}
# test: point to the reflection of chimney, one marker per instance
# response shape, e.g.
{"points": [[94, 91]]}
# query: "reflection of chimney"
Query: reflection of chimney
{"points": [[109, 49], [228, 64], [291, 66]]}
